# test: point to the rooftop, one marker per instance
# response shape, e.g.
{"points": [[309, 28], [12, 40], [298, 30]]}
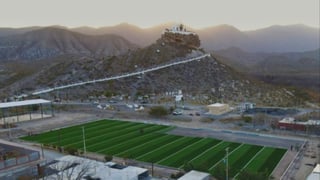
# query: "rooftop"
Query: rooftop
{"points": [[179, 29], [217, 105], [315, 175], [95, 169], [316, 169], [23, 103], [195, 175], [291, 120]]}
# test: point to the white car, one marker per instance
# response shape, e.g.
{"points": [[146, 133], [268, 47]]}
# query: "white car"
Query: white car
{"points": [[177, 113]]}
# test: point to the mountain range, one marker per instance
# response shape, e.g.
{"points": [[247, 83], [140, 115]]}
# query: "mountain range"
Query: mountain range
{"points": [[300, 69], [52, 42], [290, 38], [60, 55], [210, 80]]}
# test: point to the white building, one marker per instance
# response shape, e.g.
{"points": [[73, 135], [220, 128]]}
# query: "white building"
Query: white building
{"points": [[195, 175], [71, 167], [179, 29], [245, 106], [315, 174], [218, 108]]}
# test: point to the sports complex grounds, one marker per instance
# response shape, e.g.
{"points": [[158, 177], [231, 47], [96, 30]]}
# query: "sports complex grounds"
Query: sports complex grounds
{"points": [[153, 143]]}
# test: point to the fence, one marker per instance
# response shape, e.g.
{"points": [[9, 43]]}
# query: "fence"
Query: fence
{"points": [[295, 163], [19, 160]]}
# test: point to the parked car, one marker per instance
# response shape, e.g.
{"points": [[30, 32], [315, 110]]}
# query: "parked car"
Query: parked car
{"points": [[177, 113]]}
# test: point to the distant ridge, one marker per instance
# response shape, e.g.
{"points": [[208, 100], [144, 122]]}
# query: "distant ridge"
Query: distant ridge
{"points": [[289, 38], [52, 41], [299, 69]]}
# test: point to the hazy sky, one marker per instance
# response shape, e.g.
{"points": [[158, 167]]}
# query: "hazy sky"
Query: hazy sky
{"points": [[243, 14]]}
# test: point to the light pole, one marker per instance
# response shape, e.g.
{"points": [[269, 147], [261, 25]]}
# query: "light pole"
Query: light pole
{"points": [[227, 154], [9, 131], [84, 141]]}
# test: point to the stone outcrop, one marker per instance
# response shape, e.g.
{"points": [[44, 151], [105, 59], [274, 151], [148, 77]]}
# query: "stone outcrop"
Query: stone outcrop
{"points": [[190, 40], [180, 36]]}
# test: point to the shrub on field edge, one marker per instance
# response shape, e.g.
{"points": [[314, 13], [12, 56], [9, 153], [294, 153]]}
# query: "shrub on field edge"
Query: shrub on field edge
{"points": [[177, 175], [187, 166], [72, 151], [158, 111], [108, 158]]}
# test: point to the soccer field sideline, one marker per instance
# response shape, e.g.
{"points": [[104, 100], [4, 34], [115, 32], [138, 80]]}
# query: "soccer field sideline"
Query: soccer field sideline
{"points": [[112, 136]]}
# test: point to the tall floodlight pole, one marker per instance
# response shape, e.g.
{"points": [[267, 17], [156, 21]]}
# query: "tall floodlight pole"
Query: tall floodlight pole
{"points": [[84, 141], [9, 131], [227, 154]]}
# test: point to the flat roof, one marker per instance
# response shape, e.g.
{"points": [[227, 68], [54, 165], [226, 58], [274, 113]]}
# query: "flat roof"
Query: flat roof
{"points": [[217, 105], [316, 169], [315, 175], [195, 175], [290, 120], [23, 103], [95, 169]]}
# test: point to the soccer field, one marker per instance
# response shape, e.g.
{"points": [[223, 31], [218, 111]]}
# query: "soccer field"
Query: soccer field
{"points": [[150, 143]]}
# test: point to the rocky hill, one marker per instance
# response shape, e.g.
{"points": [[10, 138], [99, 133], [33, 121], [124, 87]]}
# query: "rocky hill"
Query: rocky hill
{"points": [[206, 81], [291, 69], [52, 42]]}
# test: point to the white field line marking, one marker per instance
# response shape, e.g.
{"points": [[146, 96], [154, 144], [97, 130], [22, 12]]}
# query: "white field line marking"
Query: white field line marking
{"points": [[180, 150], [141, 144], [120, 144], [96, 137], [70, 137], [204, 152], [224, 156], [161, 147], [278, 163], [148, 134], [249, 161], [67, 133], [95, 144]]}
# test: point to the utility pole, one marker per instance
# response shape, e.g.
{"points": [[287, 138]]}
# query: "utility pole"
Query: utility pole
{"points": [[84, 141], [227, 154], [9, 131], [42, 153]]}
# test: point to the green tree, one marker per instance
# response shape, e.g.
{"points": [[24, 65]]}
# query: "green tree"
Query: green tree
{"points": [[108, 158], [108, 93], [247, 119], [158, 111], [187, 166]]}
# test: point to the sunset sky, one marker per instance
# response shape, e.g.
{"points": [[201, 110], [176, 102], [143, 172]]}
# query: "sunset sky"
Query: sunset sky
{"points": [[244, 14]]}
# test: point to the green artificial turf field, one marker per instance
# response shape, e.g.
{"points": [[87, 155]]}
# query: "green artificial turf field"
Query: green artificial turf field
{"points": [[150, 143]]}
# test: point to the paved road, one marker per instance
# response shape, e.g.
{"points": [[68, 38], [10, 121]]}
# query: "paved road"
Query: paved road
{"points": [[240, 136]]}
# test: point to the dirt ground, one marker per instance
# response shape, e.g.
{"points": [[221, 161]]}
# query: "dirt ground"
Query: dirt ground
{"points": [[79, 115], [311, 156]]}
